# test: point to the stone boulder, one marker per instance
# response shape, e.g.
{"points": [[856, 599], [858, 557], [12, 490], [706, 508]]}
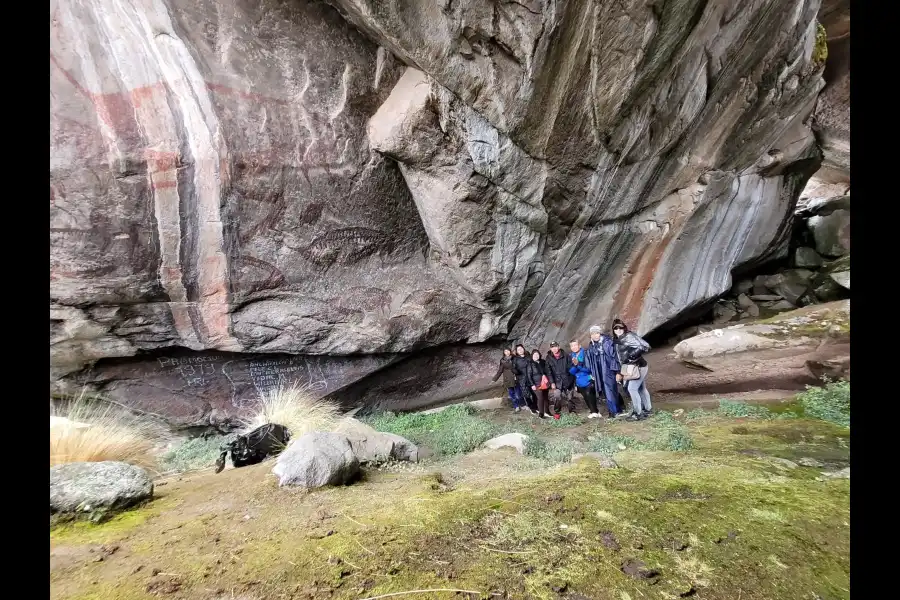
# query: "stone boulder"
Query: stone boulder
{"points": [[798, 328], [371, 446], [791, 284], [97, 487], [831, 233], [317, 459], [807, 258], [842, 278], [516, 441]]}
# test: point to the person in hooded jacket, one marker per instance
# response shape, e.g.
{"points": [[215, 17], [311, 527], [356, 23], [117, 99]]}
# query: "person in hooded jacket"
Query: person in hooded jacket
{"points": [[583, 379], [562, 383], [603, 361], [505, 370], [539, 378], [630, 348], [520, 362]]}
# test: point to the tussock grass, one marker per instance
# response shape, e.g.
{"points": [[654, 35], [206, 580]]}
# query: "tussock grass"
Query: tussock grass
{"points": [[195, 454], [552, 451], [829, 403], [91, 429], [294, 407]]}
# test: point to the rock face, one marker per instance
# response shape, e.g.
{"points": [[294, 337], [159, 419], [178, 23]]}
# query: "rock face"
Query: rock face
{"points": [[97, 487], [291, 183], [317, 459]]}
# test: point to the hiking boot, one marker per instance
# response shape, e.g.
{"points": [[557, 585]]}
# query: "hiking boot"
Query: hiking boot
{"points": [[517, 409], [634, 417]]}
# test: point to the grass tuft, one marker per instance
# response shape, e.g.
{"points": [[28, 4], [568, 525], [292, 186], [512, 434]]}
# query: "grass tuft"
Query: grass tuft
{"points": [[454, 430], [736, 409], [828, 403], [552, 451], [195, 454], [90, 429], [295, 408]]}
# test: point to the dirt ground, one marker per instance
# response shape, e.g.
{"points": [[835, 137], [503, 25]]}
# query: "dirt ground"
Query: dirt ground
{"points": [[736, 517]]}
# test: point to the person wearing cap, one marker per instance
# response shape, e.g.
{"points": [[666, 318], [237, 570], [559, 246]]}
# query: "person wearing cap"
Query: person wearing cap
{"points": [[630, 348], [561, 381], [603, 362], [583, 381]]}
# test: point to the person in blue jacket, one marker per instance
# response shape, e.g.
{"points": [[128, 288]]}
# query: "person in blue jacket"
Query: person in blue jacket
{"points": [[583, 378], [603, 362]]}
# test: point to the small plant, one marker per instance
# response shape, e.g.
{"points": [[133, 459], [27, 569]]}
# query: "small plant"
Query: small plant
{"points": [[820, 49], [90, 429], [732, 408], [567, 420], [454, 430], [195, 453], [552, 451], [669, 434], [830, 402], [696, 414], [610, 444], [295, 408]]}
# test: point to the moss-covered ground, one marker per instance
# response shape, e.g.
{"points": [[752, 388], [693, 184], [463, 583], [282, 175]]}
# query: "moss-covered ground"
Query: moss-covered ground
{"points": [[732, 515]]}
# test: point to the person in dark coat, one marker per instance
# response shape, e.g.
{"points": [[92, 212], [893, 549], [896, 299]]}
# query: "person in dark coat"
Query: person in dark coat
{"points": [[630, 348], [539, 378], [505, 370], [520, 362], [603, 362], [562, 383]]}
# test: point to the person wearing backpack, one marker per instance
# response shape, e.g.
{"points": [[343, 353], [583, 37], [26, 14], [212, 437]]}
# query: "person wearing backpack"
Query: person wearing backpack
{"points": [[630, 349], [583, 379], [539, 378]]}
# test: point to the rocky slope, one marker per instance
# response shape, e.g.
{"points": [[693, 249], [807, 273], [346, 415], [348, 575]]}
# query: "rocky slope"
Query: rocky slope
{"points": [[250, 192]]}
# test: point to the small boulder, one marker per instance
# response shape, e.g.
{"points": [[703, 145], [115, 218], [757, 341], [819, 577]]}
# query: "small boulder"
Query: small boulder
{"points": [[807, 258], [509, 440], [723, 312], [371, 446], [752, 311], [604, 461], [317, 459], [831, 233], [827, 289], [842, 278], [97, 487], [841, 474], [790, 285], [744, 301], [809, 462], [766, 298], [744, 286], [779, 306]]}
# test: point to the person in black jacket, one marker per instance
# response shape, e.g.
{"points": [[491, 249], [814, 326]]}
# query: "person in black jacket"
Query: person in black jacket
{"points": [[539, 378], [520, 367], [505, 369], [630, 348], [562, 384]]}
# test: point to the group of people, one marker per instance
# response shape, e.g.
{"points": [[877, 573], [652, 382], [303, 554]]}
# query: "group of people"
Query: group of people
{"points": [[542, 383]]}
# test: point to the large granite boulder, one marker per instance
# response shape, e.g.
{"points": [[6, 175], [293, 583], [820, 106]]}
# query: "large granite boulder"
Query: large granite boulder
{"points": [[831, 233], [290, 191], [97, 488], [317, 459], [372, 446]]}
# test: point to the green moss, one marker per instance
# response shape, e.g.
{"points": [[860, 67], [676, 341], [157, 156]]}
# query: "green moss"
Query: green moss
{"points": [[820, 49], [724, 522], [112, 529]]}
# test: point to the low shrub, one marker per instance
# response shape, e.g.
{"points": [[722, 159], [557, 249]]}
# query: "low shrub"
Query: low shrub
{"points": [[830, 402], [733, 408], [454, 430]]}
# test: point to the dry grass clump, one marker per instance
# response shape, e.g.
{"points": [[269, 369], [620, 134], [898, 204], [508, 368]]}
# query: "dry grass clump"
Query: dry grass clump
{"points": [[90, 429], [294, 407]]}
